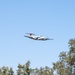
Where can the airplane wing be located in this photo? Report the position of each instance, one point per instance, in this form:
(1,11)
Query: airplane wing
(34,38)
(30,33)
(49,39)
(28,37)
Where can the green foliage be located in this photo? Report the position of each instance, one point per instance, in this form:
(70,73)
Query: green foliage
(66,60)
(64,66)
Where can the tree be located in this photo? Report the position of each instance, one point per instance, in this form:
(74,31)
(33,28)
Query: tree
(64,66)
(66,60)
(11,72)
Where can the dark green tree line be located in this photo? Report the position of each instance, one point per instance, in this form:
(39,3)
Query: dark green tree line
(64,66)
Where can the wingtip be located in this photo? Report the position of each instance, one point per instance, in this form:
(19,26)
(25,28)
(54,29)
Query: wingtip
(24,35)
(51,39)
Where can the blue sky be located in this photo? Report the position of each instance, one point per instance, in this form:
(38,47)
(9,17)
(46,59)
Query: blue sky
(52,18)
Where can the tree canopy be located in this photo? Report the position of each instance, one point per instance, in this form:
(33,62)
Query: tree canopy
(64,66)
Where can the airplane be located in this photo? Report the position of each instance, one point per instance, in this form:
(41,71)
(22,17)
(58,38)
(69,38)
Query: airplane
(35,37)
